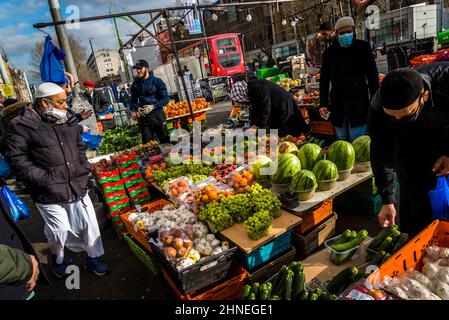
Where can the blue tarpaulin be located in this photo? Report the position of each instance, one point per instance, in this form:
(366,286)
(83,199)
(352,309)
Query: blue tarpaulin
(51,66)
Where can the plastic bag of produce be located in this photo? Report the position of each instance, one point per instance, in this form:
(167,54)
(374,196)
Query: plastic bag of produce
(175,243)
(416,290)
(418,276)
(19,210)
(439,199)
(90,140)
(5,169)
(359,291)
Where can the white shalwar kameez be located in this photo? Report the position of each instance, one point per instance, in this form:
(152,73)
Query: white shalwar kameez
(73,226)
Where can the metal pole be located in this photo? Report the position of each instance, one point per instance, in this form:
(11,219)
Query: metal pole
(64,43)
(273,30)
(93,55)
(400,16)
(122,55)
(178,63)
(206,43)
(3,72)
(25,78)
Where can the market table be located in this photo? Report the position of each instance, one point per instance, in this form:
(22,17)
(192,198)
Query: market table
(238,235)
(322,196)
(188,114)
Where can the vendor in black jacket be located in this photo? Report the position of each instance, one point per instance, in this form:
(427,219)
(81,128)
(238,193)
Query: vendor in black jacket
(349,67)
(409,128)
(272,107)
(149,96)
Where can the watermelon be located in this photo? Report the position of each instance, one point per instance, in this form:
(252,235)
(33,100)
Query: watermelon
(362,149)
(287,147)
(261,161)
(309,155)
(342,154)
(303,180)
(288,165)
(325,170)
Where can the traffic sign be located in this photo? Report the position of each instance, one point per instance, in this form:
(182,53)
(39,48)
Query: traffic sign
(8,90)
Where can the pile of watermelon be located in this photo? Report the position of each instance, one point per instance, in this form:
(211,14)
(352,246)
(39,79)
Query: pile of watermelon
(309,155)
(303,181)
(288,166)
(362,149)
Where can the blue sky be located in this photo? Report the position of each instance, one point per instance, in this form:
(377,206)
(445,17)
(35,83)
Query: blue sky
(17,17)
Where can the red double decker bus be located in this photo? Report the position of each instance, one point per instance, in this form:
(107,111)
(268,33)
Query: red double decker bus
(225,54)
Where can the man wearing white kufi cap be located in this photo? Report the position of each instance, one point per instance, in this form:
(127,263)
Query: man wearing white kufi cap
(45,151)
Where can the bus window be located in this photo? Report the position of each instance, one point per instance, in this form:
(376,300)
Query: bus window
(230,61)
(225,42)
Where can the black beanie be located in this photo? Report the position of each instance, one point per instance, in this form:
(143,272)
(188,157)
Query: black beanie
(326,26)
(400,88)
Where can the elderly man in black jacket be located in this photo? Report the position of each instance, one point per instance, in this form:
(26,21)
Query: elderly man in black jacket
(409,128)
(271,107)
(349,66)
(45,151)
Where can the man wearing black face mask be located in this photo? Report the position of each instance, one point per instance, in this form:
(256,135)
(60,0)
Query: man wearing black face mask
(409,127)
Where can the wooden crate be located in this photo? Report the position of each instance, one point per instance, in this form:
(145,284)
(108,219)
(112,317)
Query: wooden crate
(306,244)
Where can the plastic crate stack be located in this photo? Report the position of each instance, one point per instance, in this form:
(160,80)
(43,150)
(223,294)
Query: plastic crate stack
(132,178)
(116,197)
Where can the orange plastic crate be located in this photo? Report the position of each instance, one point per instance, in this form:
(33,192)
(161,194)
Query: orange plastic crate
(410,256)
(227,289)
(198,117)
(314,217)
(140,235)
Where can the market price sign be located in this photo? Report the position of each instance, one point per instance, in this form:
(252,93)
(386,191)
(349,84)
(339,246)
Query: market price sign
(8,90)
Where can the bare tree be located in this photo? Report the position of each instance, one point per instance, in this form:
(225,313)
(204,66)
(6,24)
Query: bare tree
(79,52)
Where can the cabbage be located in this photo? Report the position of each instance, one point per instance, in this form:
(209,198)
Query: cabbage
(261,161)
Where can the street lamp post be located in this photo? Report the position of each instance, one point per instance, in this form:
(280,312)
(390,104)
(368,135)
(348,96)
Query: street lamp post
(400,17)
(93,55)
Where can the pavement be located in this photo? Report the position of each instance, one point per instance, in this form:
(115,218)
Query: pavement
(130,279)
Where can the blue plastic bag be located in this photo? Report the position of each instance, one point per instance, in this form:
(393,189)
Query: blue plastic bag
(90,140)
(5,169)
(19,210)
(439,199)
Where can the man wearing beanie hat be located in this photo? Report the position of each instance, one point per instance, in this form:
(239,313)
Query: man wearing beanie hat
(317,45)
(349,79)
(409,129)
(45,151)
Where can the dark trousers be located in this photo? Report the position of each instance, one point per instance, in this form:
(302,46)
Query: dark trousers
(154,125)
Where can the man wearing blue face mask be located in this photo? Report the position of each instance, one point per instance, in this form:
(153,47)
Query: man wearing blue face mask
(409,129)
(349,79)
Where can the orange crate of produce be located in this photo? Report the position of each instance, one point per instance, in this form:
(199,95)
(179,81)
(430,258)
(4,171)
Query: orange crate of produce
(198,117)
(322,127)
(140,235)
(227,289)
(314,216)
(410,256)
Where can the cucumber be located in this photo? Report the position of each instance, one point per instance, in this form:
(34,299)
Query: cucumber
(252,296)
(324,296)
(313,296)
(299,284)
(361,236)
(401,241)
(288,285)
(255,289)
(275,298)
(386,244)
(379,258)
(345,237)
(395,235)
(269,289)
(277,284)
(374,245)
(245,292)
(333,297)
(263,292)
(304,295)
(342,280)
(386,257)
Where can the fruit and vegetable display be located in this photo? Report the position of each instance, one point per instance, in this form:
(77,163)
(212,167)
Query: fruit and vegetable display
(309,155)
(223,170)
(210,190)
(342,154)
(298,141)
(362,149)
(201,171)
(223,214)
(173,109)
(258,225)
(288,166)
(120,139)
(288,83)
(346,245)
(261,166)
(431,283)
(303,181)
(150,169)
(288,284)
(385,244)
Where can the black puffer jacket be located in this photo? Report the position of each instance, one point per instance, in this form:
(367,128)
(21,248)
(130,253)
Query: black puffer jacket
(352,72)
(49,157)
(275,108)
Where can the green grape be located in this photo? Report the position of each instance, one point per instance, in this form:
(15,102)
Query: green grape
(258,225)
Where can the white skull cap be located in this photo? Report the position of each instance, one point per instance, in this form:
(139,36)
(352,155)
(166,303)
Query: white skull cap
(48,89)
